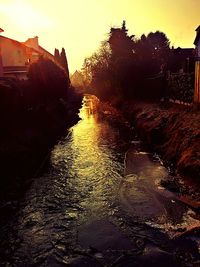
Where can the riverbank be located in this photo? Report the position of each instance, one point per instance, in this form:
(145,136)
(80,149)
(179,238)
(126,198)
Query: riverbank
(34,114)
(172,131)
(25,146)
(143,174)
(103,209)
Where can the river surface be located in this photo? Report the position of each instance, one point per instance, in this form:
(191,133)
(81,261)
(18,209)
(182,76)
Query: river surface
(101,198)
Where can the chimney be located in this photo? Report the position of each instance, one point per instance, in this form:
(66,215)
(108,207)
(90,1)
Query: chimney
(32,42)
(36,41)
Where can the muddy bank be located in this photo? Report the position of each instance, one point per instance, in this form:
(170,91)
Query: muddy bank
(173,131)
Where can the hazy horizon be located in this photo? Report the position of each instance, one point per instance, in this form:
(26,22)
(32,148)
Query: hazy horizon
(80,26)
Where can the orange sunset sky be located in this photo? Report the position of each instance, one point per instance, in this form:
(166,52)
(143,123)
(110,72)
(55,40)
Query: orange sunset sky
(80,25)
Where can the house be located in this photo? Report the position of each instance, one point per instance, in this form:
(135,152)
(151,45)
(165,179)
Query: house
(1,64)
(197,41)
(197,68)
(77,79)
(33,43)
(16,57)
(182,60)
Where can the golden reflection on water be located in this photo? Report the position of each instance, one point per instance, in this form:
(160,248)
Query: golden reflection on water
(94,160)
(86,184)
(90,139)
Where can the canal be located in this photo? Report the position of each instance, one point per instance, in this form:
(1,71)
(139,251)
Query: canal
(100,203)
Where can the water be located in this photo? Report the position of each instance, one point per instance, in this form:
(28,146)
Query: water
(100,197)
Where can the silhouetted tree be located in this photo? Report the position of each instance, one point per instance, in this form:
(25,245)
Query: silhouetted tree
(96,69)
(120,43)
(48,81)
(123,61)
(159,44)
(152,51)
(122,66)
(57,55)
(63,61)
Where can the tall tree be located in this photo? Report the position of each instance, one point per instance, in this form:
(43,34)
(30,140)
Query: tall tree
(122,67)
(64,63)
(48,80)
(122,59)
(120,43)
(96,71)
(153,47)
(57,55)
(159,44)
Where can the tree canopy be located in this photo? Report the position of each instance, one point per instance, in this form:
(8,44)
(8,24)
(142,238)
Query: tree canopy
(123,62)
(48,80)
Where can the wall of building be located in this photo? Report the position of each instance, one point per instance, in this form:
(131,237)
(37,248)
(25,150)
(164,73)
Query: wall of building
(13,54)
(33,43)
(1,64)
(15,57)
(198,49)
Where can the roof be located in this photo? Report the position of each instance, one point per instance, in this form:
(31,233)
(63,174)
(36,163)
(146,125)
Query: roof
(1,30)
(31,38)
(184,52)
(198,28)
(197,36)
(39,48)
(22,44)
(45,51)
(13,41)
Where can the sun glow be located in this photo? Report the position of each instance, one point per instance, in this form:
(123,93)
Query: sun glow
(24,16)
(81,25)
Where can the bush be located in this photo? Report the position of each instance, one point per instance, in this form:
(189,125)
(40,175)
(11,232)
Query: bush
(181,87)
(47,80)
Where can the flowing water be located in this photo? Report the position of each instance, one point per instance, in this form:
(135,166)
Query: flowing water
(100,198)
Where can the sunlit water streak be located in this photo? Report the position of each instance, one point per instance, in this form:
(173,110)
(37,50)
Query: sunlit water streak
(94,183)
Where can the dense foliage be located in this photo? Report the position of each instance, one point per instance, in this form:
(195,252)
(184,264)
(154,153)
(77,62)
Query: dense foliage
(128,67)
(34,113)
(181,87)
(61,59)
(123,63)
(47,81)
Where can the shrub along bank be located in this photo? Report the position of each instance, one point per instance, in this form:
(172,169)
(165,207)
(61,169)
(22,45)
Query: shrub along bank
(34,114)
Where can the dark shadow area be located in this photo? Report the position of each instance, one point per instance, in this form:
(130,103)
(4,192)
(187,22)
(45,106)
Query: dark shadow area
(34,114)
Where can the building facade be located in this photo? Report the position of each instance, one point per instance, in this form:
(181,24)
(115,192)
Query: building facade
(16,57)
(197,68)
